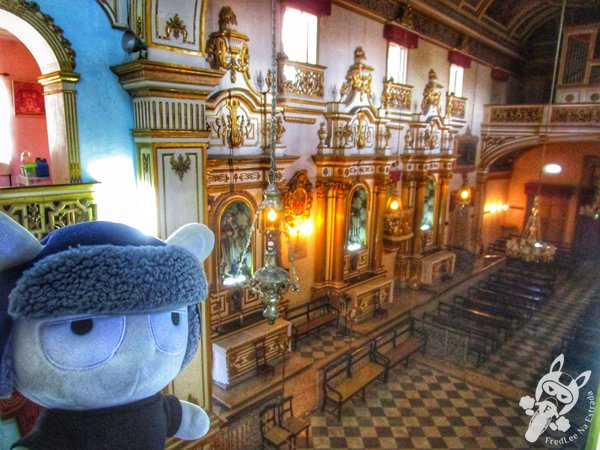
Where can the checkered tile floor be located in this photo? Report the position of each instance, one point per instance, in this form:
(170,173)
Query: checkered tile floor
(422,408)
(528,355)
(328,342)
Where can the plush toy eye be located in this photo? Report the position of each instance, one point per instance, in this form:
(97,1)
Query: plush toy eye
(81,327)
(170,330)
(82,343)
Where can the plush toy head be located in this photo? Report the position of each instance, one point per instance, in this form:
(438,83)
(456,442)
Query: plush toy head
(99,314)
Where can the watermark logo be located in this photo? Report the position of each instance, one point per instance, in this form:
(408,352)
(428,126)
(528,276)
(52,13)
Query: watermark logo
(556,394)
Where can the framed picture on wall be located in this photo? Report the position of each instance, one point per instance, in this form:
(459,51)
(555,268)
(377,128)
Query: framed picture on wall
(29,98)
(467,150)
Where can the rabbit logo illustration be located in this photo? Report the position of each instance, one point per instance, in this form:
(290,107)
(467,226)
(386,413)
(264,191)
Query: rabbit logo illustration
(556,394)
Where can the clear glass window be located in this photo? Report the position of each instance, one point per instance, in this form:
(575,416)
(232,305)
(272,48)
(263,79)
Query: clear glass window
(299,36)
(456,80)
(397,63)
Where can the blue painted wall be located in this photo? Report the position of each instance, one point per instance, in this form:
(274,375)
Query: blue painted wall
(104,108)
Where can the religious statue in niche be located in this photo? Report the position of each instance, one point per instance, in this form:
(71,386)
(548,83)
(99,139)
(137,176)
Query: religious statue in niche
(357,233)
(428,206)
(234,232)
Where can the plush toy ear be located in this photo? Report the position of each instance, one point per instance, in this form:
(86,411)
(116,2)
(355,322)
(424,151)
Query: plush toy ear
(17,245)
(194,237)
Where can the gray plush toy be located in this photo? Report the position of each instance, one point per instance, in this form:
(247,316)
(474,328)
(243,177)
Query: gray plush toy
(96,320)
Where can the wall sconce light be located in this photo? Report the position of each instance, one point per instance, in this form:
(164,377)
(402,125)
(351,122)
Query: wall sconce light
(131,43)
(464,195)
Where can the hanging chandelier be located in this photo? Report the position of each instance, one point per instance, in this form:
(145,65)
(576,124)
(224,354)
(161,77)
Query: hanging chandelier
(530,247)
(271,282)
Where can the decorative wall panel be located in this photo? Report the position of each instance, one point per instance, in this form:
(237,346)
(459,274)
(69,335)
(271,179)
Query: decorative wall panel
(178,25)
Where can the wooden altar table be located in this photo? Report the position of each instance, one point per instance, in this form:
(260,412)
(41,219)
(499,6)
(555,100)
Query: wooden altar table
(233,355)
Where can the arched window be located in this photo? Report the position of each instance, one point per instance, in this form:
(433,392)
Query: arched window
(357,231)
(235,252)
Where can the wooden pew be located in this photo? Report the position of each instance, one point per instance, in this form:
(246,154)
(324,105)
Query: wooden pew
(350,374)
(513,292)
(517,275)
(516,318)
(523,305)
(311,316)
(477,318)
(400,344)
(520,285)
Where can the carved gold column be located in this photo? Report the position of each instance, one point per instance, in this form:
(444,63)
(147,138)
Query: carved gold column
(478,204)
(421,184)
(339,232)
(63,138)
(381,189)
(406,188)
(443,211)
(321,235)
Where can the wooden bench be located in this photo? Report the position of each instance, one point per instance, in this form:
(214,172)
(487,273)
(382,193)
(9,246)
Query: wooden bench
(497,310)
(349,374)
(311,316)
(405,340)
(525,306)
(478,318)
(522,285)
(512,292)
(472,330)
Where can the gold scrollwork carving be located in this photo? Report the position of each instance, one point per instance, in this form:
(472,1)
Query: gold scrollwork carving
(432,95)
(42,217)
(180,165)
(361,130)
(176,26)
(231,127)
(227,48)
(307,81)
(356,80)
(297,199)
(396,95)
(518,114)
(579,114)
(279,130)
(455,106)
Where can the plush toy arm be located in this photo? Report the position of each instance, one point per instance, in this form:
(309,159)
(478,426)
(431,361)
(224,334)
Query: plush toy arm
(194,422)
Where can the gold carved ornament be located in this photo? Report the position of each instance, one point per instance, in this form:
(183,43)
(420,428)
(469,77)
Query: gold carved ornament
(180,165)
(231,127)
(279,130)
(361,132)
(223,56)
(297,199)
(396,96)
(177,27)
(356,80)
(432,93)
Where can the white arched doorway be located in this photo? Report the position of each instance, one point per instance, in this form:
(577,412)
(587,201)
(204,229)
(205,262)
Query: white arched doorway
(56,59)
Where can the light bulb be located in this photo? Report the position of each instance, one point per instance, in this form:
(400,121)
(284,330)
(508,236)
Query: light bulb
(394,205)
(271,215)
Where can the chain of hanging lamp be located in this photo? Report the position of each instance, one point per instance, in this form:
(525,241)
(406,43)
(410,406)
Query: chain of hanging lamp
(530,246)
(271,281)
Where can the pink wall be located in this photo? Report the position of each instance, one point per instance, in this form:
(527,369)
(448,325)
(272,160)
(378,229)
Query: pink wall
(27,132)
